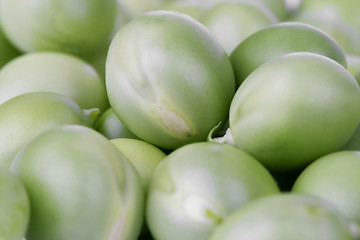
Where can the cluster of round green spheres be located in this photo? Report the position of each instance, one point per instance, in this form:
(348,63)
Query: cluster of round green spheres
(179,120)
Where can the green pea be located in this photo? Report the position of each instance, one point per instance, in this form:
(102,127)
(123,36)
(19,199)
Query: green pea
(73,26)
(279,39)
(27,115)
(231,22)
(334,177)
(53,72)
(144,156)
(168,79)
(284,217)
(196,187)
(295,109)
(80,187)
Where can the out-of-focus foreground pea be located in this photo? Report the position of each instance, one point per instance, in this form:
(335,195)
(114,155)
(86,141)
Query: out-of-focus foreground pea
(284,217)
(197,186)
(73,26)
(144,156)
(279,39)
(109,125)
(25,116)
(232,22)
(334,177)
(14,207)
(53,72)
(295,109)
(168,79)
(80,187)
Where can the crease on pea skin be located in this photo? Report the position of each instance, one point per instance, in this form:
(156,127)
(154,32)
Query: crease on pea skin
(118,228)
(194,195)
(143,82)
(201,209)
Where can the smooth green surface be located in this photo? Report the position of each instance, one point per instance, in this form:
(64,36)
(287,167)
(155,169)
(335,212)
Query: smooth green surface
(344,33)
(354,65)
(231,23)
(277,6)
(198,186)
(144,156)
(295,109)
(334,177)
(111,127)
(347,10)
(137,7)
(194,10)
(168,79)
(73,26)
(80,187)
(14,207)
(285,217)
(54,72)
(279,39)
(25,116)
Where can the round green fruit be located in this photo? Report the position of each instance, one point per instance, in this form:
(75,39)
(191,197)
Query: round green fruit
(232,22)
(25,116)
(80,187)
(73,26)
(196,187)
(334,177)
(168,79)
(295,109)
(53,72)
(284,217)
(279,39)
(144,156)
